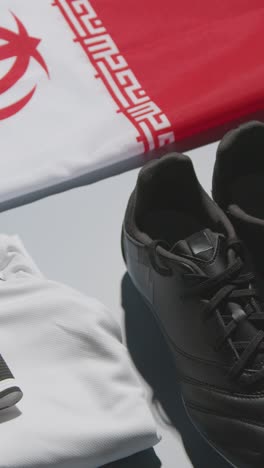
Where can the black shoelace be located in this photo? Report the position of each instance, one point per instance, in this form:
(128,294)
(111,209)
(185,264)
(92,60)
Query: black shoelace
(233,289)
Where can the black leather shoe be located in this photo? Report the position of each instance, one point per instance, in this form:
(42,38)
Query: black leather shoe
(238,185)
(183,256)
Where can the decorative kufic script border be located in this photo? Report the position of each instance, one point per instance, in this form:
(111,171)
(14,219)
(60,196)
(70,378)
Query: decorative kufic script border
(153,127)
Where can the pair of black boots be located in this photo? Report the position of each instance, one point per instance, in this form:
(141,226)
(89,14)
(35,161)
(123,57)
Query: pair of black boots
(199,265)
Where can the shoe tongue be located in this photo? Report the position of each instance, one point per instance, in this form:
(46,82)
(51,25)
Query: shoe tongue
(206,248)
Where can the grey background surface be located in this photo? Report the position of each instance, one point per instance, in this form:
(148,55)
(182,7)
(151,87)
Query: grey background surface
(74,237)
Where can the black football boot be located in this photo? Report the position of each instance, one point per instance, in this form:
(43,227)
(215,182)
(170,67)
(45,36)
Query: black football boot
(183,256)
(238,185)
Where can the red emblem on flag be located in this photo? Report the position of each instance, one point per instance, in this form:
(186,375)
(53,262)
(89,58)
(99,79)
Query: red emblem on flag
(23,48)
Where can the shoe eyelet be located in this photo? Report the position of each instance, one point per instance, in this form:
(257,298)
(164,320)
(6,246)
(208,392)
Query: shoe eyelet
(161,269)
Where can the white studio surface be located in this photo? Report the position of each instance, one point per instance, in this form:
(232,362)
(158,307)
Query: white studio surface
(74,238)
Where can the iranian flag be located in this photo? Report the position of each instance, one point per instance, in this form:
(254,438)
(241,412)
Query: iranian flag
(87,85)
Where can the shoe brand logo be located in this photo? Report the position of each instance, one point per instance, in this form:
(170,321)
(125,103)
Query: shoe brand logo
(21,48)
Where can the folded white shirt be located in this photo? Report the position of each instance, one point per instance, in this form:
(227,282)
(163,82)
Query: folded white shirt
(82,403)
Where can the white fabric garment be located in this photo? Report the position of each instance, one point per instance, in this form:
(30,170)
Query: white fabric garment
(82,403)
